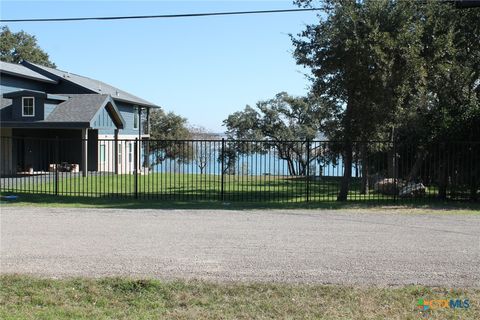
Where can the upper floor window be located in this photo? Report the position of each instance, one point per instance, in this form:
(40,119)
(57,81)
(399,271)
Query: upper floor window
(135,118)
(28,106)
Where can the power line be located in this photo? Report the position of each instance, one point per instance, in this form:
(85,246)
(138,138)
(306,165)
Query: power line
(161,16)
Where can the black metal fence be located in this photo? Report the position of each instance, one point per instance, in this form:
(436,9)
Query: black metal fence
(233,170)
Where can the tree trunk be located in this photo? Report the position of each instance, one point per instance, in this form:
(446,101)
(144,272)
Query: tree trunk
(364,187)
(473,190)
(442,184)
(419,158)
(475,173)
(349,134)
(347,173)
(474,184)
(303,167)
(391,164)
(364,163)
(442,174)
(291,167)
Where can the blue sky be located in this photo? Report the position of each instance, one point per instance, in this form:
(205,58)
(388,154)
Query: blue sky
(201,68)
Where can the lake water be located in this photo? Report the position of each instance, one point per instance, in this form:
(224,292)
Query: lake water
(252,165)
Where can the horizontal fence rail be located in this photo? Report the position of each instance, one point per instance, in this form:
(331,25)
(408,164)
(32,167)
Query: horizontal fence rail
(239,170)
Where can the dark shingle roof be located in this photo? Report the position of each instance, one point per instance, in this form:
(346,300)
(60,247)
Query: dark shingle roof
(22,71)
(93,85)
(79,108)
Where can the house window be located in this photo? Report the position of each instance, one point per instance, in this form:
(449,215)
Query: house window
(135,118)
(28,106)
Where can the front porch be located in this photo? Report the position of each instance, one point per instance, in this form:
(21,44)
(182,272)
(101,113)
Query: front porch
(38,151)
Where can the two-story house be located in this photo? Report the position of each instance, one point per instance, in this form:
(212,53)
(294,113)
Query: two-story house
(95,122)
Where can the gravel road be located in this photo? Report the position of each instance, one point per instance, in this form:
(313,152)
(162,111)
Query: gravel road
(309,246)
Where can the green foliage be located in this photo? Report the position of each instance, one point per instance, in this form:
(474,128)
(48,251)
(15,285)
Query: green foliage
(451,54)
(281,118)
(412,66)
(166,129)
(168,126)
(15,47)
(361,57)
(404,66)
(293,121)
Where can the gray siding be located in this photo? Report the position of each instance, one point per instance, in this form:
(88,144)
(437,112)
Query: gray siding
(17,109)
(106,131)
(103,121)
(126,110)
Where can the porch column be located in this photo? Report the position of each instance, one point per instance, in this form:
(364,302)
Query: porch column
(84,152)
(139,123)
(115,151)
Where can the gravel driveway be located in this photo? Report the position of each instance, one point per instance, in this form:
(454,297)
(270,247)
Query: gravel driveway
(310,246)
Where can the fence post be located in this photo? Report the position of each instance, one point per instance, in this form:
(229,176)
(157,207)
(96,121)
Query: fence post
(57,163)
(135,169)
(222,156)
(308,170)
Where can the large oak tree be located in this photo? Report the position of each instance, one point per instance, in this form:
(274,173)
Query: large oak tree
(18,46)
(404,65)
(285,123)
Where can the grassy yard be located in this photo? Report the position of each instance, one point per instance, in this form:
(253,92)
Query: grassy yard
(182,186)
(177,186)
(195,191)
(417,206)
(25,297)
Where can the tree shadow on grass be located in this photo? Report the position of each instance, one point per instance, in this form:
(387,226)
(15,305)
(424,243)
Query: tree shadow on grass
(213,202)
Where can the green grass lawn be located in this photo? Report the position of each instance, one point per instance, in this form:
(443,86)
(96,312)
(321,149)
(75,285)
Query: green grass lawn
(417,206)
(175,190)
(177,186)
(182,186)
(25,297)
